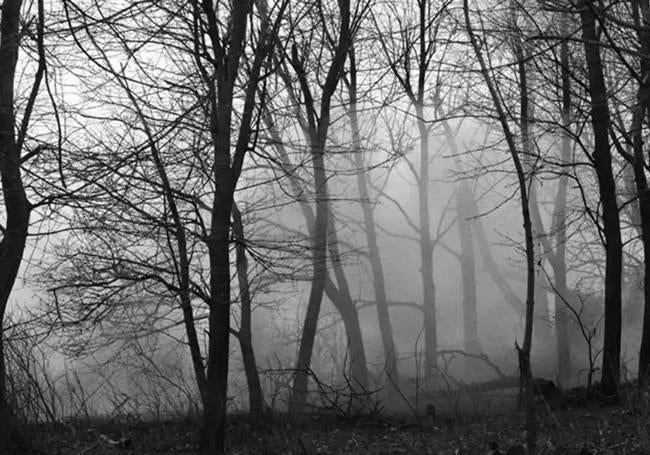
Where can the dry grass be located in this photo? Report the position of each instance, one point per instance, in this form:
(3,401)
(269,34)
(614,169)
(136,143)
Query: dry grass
(621,429)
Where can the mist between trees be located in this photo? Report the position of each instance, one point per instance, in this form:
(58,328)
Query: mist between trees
(269,207)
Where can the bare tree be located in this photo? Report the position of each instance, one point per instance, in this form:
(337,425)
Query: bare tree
(188,180)
(524,351)
(410,51)
(17,207)
(602,159)
(315,121)
(370,229)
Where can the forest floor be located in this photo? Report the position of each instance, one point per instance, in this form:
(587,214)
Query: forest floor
(620,429)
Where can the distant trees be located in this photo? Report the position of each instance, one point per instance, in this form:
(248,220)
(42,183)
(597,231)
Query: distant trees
(411,44)
(392,383)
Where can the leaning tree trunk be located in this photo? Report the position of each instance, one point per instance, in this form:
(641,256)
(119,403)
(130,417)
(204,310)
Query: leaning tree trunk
(344,304)
(318,127)
(319,267)
(245,334)
(379,284)
(524,351)
(378,279)
(339,296)
(607,187)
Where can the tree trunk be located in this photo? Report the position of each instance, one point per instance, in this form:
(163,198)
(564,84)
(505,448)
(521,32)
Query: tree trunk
(523,352)
(426,253)
(383,316)
(611,224)
(319,267)
(379,285)
(214,416)
(245,335)
(466,208)
(542,316)
(17,209)
(345,306)
(464,202)
(558,262)
(641,182)
(339,296)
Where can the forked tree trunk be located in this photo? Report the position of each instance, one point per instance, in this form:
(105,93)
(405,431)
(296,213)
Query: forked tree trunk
(338,294)
(317,128)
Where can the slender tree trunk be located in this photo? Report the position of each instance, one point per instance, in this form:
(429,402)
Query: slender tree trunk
(379,285)
(464,199)
(558,262)
(542,316)
(358,364)
(245,335)
(643,192)
(339,296)
(318,127)
(383,315)
(607,187)
(319,267)
(182,259)
(426,253)
(525,350)
(466,208)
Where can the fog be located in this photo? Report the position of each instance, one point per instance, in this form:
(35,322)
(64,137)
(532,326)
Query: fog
(135,235)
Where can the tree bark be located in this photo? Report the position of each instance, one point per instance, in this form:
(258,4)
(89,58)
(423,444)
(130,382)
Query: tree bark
(611,224)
